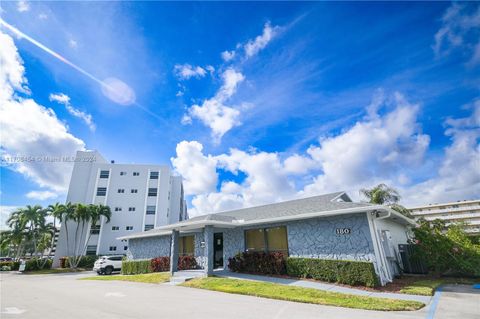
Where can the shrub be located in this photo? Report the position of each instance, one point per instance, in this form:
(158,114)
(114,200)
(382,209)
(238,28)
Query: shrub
(133,267)
(186,262)
(35,264)
(13,265)
(160,264)
(341,271)
(259,263)
(449,252)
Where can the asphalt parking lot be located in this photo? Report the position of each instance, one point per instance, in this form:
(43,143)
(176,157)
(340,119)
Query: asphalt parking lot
(63,296)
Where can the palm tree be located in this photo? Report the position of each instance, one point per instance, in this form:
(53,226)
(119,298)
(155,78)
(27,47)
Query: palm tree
(85,216)
(17,236)
(385,195)
(381,195)
(57,211)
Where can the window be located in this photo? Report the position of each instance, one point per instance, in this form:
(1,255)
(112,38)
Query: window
(124,240)
(117,258)
(95,230)
(148,227)
(104,174)
(112,248)
(134,191)
(277,239)
(151,210)
(152,192)
(91,250)
(115,228)
(129,228)
(131,209)
(121,190)
(101,191)
(136,174)
(186,246)
(267,239)
(123,173)
(125,247)
(153,175)
(118,209)
(254,240)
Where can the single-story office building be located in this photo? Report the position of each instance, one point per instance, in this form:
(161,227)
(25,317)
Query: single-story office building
(329,226)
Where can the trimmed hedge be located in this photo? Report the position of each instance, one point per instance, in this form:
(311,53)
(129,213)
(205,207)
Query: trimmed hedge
(158,264)
(259,263)
(133,267)
(348,272)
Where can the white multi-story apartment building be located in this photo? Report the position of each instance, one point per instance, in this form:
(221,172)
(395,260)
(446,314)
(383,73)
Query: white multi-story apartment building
(467,212)
(141,197)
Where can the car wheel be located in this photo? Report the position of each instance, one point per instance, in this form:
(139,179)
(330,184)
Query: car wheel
(108,270)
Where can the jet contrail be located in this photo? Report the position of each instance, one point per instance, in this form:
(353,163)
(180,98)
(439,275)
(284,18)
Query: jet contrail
(76,67)
(46,49)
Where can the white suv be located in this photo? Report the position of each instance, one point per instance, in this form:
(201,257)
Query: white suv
(108,264)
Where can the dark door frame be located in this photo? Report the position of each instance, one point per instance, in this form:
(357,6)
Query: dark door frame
(218,261)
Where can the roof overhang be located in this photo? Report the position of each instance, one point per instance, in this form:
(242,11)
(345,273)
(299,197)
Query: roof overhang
(187,226)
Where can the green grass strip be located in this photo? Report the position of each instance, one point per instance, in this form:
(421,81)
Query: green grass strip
(152,278)
(300,294)
(427,287)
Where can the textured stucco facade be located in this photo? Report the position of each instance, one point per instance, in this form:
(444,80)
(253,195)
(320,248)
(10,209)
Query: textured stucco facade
(312,238)
(149,247)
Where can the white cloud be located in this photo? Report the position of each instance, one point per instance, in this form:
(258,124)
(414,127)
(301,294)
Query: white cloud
(23,6)
(458,176)
(43,16)
(252,47)
(65,100)
(228,55)
(41,195)
(197,170)
(388,147)
(187,71)
(31,130)
(5,212)
(460,25)
(372,150)
(213,112)
(298,164)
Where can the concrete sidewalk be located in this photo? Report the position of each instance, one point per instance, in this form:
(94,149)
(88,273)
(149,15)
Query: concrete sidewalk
(322,286)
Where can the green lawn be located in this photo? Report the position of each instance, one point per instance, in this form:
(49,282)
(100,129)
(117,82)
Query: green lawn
(427,287)
(53,271)
(152,278)
(422,287)
(300,294)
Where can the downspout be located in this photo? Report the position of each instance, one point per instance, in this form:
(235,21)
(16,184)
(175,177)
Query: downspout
(383,258)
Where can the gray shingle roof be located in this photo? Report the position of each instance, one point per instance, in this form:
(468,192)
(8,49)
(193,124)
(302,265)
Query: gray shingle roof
(315,204)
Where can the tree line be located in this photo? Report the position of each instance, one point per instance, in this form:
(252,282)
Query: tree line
(31,234)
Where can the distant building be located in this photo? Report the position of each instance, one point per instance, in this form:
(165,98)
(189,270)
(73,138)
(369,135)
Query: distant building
(141,197)
(467,212)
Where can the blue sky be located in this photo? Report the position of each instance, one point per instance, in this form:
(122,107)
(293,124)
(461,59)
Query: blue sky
(306,98)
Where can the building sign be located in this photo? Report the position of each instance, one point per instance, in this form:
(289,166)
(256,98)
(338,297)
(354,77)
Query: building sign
(343,231)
